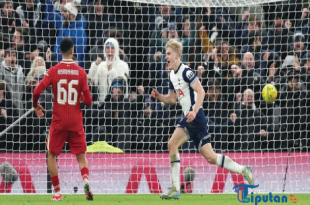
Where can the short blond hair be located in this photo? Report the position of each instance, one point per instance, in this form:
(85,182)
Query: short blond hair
(175,45)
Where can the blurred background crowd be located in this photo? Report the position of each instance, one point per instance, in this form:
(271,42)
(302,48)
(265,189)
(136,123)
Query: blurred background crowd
(121,46)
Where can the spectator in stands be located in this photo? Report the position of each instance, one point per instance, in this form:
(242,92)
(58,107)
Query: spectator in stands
(272,42)
(305,71)
(248,78)
(187,35)
(38,68)
(12,73)
(214,104)
(98,50)
(109,69)
(99,21)
(274,75)
(149,132)
(114,116)
(248,25)
(292,101)
(7,20)
(70,24)
(8,114)
(164,16)
(255,47)
(21,45)
(28,16)
(269,61)
(159,40)
(299,46)
(224,57)
(252,124)
(221,24)
(303,21)
(43,50)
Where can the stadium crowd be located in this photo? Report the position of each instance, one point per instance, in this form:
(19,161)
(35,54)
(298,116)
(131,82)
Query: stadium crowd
(121,45)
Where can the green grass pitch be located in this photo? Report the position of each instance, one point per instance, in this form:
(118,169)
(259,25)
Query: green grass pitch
(151,199)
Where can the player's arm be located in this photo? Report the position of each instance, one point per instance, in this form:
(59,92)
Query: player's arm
(85,95)
(169,99)
(191,78)
(42,86)
(196,85)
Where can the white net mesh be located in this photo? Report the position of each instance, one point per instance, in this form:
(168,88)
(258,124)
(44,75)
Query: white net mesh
(233,46)
(204,3)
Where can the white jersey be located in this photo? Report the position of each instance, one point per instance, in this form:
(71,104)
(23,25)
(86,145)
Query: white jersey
(180,82)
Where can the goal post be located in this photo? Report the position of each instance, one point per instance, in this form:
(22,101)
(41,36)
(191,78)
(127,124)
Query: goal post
(235,47)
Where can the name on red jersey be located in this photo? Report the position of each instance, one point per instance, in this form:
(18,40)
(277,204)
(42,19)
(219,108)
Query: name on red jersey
(68,72)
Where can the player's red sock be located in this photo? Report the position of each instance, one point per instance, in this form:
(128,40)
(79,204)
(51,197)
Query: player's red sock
(85,173)
(55,182)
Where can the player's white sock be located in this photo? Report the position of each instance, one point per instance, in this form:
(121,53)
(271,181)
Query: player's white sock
(175,171)
(229,164)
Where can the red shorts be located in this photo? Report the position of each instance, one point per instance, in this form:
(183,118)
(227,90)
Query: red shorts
(58,138)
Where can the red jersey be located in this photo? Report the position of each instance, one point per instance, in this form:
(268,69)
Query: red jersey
(69,84)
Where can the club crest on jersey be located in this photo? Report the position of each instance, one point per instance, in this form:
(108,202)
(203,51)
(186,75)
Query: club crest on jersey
(179,93)
(190,74)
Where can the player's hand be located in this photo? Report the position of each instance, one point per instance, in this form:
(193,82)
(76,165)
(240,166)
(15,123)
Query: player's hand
(155,94)
(39,110)
(191,115)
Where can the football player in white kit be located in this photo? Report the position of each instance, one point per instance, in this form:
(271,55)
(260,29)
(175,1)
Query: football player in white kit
(185,86)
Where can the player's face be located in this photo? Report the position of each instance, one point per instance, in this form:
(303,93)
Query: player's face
(110,52)
(172,58)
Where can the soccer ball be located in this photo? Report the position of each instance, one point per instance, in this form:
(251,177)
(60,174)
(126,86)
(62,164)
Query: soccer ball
(269,93)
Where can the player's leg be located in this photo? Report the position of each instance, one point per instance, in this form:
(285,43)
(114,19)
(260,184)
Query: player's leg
(178,138)
(208,153)
(55,143)
(77,143)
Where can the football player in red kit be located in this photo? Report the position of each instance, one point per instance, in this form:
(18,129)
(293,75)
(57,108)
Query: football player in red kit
(69,84)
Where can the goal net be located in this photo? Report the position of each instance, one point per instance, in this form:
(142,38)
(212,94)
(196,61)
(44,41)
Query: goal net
(235,49)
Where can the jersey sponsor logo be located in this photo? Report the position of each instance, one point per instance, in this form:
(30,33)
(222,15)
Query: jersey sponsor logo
(190,74)
(180,93)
